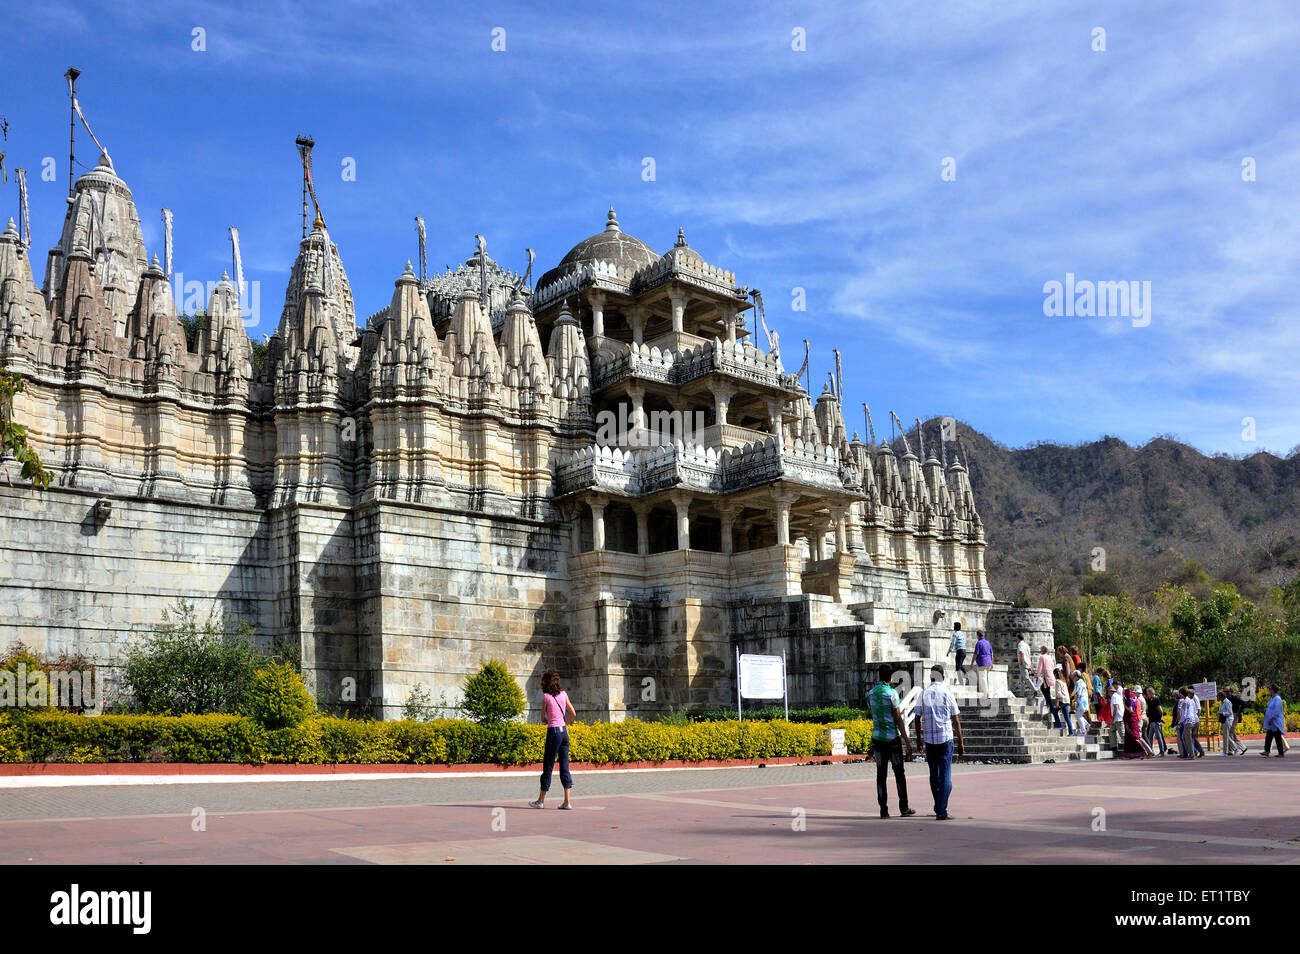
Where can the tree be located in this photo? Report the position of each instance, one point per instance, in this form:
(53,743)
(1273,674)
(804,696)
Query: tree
(188,666)
(13,436)
(492,695)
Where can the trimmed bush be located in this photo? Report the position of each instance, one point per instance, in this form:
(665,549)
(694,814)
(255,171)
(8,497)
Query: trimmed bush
(278,699)
(492,695)
(63,737)
(823,715)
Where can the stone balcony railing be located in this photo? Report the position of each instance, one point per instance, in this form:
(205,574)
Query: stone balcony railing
(637,472)
(677,367)
(730,436)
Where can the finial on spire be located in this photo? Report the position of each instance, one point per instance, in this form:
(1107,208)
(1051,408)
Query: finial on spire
(225,275)
(10,227)
(319,223)
(611,221)
(681,238)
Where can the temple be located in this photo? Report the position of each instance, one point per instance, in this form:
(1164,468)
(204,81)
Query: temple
(608,473)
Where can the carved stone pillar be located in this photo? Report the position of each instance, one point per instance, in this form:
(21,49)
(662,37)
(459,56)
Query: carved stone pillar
(596,299)
(643,529)
(728,515)
(683,504)
(782,499)
(636,318)
(729,320)
(598,522)
(678,299)
(722,395)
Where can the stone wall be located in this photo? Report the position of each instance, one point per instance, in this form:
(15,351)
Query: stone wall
(72,582)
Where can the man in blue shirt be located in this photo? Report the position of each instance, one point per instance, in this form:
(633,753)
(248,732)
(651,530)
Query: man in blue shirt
(1274,723)
(957,647)
(889,742)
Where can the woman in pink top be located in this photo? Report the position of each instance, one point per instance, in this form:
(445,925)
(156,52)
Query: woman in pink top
(557,712)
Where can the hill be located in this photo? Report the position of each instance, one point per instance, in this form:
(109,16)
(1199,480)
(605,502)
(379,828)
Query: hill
(1161,511)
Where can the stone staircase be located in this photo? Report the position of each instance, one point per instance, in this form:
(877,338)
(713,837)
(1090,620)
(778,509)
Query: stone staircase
(1009,726)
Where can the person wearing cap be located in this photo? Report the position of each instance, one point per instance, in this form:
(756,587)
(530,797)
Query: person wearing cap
(940,728)
(1116,715)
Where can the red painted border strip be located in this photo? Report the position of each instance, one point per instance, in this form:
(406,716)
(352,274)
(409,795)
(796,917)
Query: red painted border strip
(355,768)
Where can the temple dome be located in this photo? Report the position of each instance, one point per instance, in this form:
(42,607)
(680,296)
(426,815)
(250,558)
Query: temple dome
(612,245)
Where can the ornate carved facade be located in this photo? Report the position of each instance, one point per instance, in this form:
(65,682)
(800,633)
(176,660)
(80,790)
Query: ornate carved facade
(439,485)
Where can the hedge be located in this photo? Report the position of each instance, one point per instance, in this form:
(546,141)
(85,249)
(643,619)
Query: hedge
(63,737)
(825,715)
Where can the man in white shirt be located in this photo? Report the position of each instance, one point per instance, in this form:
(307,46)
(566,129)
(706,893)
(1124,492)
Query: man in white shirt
(1116,715)
(940,728)
(1024,657)
(1226,719)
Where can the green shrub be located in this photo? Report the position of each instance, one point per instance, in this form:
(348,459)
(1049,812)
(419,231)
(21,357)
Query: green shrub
(492,695)
(190,667)
(278,698)
(823,715)
(64,737)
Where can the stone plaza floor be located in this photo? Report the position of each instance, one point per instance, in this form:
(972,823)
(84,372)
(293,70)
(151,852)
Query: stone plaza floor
(1242,810)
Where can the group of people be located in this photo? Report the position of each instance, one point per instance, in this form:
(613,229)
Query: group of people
(1133,717)
(940,731)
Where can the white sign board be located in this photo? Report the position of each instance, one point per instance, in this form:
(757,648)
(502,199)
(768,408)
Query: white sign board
(1205,691)
(762,677)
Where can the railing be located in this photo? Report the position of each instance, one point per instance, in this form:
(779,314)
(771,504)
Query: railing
(907,709)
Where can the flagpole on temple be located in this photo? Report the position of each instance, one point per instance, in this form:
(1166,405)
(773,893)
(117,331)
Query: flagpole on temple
(71,76)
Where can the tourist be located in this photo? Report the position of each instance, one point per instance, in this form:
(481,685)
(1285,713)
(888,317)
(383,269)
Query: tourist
(1188,717)
(1134,747)
(1238,710)
(1155,722)
(940,729)
(1074,654)
(1047,681)
(1061,691)
(1064,661)
(1101,681)
(1081,721)
(557,713)
(1140,700)
(1116,715)
(1275,724)
(957,647)
(1225,723)
(983,663)
(889,742)
(1024,657)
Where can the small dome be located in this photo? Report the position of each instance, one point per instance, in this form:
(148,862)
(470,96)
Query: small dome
(612,245)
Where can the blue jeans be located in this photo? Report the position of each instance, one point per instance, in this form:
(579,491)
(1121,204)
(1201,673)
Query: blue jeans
(1156,733)
(939,758)
(1064,711)
(557,743)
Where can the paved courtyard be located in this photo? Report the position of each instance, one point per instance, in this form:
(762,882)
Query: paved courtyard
(1237,811)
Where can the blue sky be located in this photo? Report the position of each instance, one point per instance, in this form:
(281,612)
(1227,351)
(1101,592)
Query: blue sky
(817,169)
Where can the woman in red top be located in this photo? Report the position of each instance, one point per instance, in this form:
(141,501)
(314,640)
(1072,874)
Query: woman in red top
(557,713)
